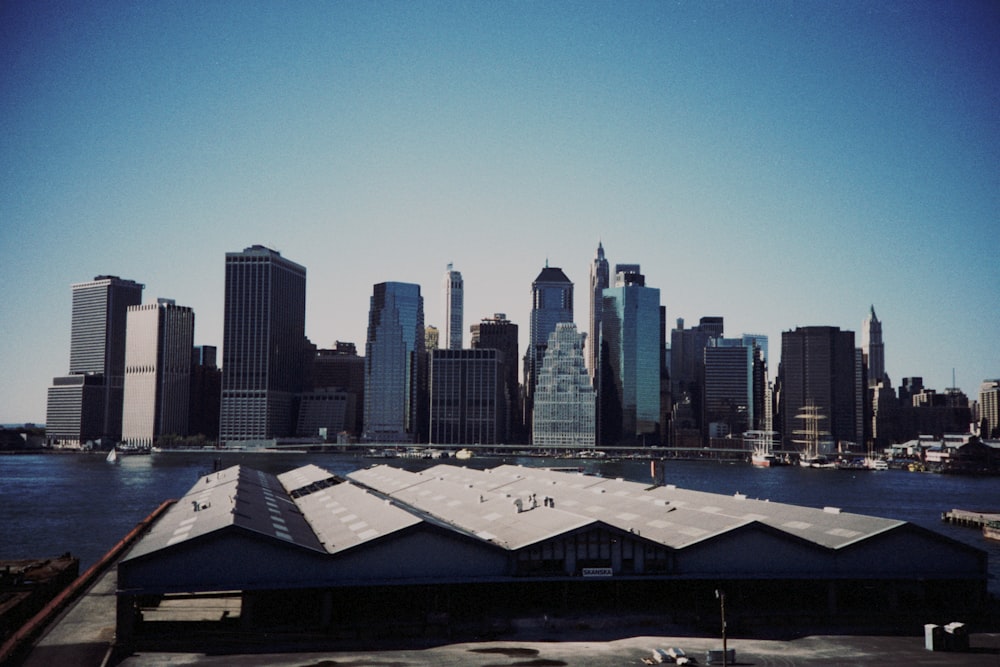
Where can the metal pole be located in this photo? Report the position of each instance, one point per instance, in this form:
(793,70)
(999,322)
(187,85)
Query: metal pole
(722,607)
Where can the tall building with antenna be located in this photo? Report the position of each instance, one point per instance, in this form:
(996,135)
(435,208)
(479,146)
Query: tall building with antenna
(454,288)
(599,281)
(873,348)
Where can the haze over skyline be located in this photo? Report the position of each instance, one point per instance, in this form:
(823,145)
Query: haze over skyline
(778,164)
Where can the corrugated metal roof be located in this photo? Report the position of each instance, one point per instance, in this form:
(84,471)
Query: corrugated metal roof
(510,506)
(344,516)
(237,497)
(670,516)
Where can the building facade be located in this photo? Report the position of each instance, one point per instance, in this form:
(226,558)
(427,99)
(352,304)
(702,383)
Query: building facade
(551,303)
(687,359)
(454,297)
(599,281)
(206,392)
(989,408)
(97,349)
(499,333)
(873,348)
(157,372)
(565,400)
(728,403)
(818,370)
(630,336)
(263,345)
(467,404)
(343,369)
(395,364)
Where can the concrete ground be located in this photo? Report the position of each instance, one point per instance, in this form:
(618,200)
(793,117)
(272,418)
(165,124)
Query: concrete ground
(814,650)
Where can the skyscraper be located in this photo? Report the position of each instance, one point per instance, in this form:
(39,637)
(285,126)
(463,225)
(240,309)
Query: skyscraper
(818,369)
(873,348)
(551,303)
(395,364)
(599,281)
(158,353)
(263,345)
(687,363)
(728,403)
(499,333)
(453,299)
(630,336)
(87,404)
(564,397)
(467,403)
(989,408)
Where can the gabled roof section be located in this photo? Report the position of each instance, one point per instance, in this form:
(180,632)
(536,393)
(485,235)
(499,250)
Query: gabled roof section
(671,516)
(465,500)
(307,479)
(234,498)
(345,516)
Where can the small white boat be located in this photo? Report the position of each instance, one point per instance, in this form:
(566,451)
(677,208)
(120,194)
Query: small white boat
(112,456)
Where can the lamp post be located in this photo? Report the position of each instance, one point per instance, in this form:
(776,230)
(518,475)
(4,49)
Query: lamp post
(721,595)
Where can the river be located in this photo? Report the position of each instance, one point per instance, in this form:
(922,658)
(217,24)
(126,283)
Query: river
(53,503)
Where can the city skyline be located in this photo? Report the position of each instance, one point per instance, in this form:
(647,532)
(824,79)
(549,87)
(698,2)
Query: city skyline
(777,166)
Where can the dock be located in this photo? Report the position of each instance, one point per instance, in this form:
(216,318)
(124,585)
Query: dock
(970,518)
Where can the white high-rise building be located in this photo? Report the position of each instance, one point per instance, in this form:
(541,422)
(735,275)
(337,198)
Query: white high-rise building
(565,400)
(454,288)
(158,345)
(989,407)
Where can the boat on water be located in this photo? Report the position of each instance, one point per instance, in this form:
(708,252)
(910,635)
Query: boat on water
(813,440)
(876,464)
(112,456)
(761,444)
(991,530)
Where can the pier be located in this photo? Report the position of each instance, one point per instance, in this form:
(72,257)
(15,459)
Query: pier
(970,518)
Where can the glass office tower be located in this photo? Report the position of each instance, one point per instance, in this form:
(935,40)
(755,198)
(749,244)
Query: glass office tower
(630,349)
(395,364)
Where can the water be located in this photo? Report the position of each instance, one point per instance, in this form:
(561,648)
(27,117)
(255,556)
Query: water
(50,504)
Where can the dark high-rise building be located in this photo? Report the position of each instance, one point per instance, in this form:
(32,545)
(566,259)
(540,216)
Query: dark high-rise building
(818,370)
(206,391)
(728,403)
(342,369)
(467,403)
(395,365)
(263,339)
(599,281)
(551,303)
(873,348)
(909,388)
(687,361)
(499,333)
(97,349)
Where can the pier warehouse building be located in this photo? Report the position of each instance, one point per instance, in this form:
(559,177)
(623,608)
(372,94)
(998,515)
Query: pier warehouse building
(454,550)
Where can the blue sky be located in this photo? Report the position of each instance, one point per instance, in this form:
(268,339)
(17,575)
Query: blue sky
(780,164)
